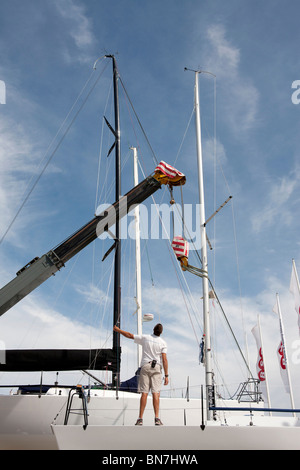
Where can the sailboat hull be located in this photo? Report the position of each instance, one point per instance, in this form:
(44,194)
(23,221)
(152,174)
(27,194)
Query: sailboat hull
(33,422)
(26,419)
(172,438)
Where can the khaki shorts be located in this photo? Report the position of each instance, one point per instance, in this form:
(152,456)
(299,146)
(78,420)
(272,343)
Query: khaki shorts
(150,379)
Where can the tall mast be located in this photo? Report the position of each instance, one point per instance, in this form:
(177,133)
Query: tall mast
(138,259)
(117,273)
(206,314)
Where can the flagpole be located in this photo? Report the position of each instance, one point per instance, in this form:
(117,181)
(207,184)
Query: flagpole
(296,274)
(295,290)
(285,352)
(264,360)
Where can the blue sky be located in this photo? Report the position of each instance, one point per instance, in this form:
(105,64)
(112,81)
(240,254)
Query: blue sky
(47,54)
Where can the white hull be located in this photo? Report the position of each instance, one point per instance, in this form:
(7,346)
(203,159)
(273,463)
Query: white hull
(30,422)
(114,428)
(25,421)
(172,438)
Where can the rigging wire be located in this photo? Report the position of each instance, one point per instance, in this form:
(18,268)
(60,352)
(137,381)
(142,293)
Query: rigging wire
(215,294)
(156,161)
(97,198)
(182,215)
(184,135)
(219,303)
(185,230)
(172,255)
(57,145)
(169,245)
(245,357)
(196,251)
(239,282)
(139,122)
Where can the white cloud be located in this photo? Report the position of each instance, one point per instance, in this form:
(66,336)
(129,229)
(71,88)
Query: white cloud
(241,97)
(40,326)
(17,161)
(226,56)
(21,163)
(280,205)
(79,27)
(33,325)
(212,147)
(92,293)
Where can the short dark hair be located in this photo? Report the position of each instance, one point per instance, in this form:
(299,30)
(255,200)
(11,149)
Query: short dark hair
(158,329)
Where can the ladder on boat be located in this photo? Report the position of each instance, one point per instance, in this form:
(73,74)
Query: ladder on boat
(77,391)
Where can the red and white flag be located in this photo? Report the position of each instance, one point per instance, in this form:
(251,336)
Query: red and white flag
(294,289)
(168,170)
(180,247)
(260,366)
(282,366)
(281,355)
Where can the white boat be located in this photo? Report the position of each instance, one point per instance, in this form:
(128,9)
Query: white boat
(26,419)
(193,425)
(102,419)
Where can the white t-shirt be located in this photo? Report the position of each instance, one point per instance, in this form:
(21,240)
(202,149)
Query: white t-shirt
(153,346)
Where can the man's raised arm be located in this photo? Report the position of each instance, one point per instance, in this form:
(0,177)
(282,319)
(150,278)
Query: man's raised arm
(124,333)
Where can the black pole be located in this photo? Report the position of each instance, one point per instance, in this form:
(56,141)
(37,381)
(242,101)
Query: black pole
(117,273)
(202,425)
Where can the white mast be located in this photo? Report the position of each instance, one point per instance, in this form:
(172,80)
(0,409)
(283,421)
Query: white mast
(138,259)
(296,274)
(295,290)
(285,351)
(206,315)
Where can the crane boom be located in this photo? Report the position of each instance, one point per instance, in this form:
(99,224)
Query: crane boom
(41,268)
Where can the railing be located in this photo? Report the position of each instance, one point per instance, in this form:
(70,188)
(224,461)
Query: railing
(78,390)
(251,408)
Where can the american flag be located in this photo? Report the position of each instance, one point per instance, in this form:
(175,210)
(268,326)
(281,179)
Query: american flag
(168,170)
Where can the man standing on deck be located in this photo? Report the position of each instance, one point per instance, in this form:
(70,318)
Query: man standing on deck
(154,357)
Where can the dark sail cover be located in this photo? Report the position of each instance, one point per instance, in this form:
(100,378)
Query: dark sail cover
(31,360)
(131,385)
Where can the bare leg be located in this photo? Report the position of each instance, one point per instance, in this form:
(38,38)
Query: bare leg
(143,403)
(155,398)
